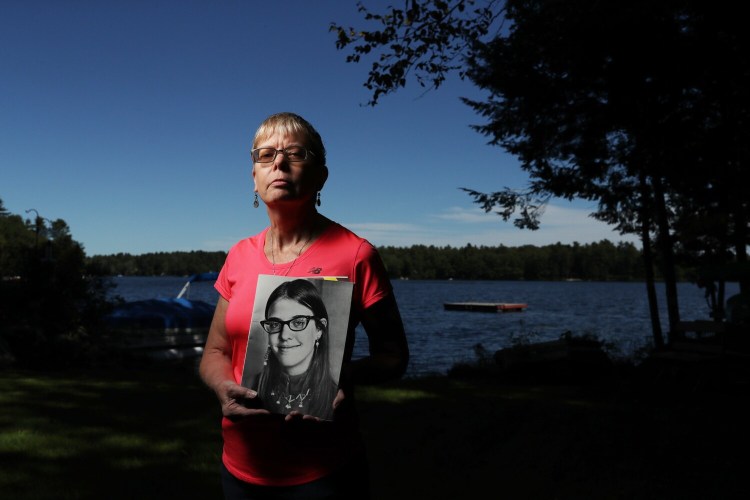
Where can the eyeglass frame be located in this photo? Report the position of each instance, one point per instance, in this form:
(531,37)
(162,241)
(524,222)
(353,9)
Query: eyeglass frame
(287,323)
(308,153)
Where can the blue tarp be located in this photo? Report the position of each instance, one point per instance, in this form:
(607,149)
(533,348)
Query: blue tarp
(203,277)
(162,313)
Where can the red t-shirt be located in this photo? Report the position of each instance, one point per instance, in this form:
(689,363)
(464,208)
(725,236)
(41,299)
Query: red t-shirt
(269,451)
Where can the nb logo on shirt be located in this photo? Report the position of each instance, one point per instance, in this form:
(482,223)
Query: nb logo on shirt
(315,270)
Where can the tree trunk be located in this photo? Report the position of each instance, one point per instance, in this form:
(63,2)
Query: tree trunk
(740,247)
(653,302)
(648,262)
(667,253)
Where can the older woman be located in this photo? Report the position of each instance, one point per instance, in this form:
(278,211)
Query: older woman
(297,456)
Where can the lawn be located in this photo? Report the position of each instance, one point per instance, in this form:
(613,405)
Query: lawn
(154,433)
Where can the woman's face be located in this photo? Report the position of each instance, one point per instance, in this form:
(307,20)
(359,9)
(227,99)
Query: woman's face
(282,180)
(294,350)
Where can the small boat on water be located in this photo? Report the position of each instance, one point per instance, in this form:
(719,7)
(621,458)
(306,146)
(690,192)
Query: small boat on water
(164,328)
(484,306)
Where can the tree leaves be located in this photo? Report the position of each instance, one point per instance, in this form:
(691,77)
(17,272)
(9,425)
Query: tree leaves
(426,40)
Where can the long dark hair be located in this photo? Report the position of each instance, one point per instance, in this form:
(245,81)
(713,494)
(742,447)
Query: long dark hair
(317,378)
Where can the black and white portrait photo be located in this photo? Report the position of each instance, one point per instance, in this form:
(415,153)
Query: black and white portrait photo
(296,343)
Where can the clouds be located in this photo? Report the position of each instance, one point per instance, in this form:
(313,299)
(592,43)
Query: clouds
(457,226)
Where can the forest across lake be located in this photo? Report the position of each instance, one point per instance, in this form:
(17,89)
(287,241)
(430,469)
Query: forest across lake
(601,261)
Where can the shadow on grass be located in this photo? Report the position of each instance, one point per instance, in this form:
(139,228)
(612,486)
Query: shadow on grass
(479,438)
(132,434)
(155,434)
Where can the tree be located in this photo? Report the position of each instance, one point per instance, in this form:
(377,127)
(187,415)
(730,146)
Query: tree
(591,114)
(426,40)
(50,310)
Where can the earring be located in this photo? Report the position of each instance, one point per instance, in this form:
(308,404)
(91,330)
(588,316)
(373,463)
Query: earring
(255,201)
(265,358)
(317,343)
(317,202)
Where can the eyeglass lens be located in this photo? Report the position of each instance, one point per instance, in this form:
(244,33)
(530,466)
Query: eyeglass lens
(296,324)
(267,155)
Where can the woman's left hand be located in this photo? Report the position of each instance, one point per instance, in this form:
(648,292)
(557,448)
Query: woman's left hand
(339,399)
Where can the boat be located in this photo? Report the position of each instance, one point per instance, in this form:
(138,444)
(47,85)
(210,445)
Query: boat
(484,306)
(164,328)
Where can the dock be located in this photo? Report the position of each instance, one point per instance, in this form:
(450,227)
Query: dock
(484,306)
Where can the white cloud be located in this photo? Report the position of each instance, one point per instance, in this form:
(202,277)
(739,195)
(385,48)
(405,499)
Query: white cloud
(458,226)
(469,216)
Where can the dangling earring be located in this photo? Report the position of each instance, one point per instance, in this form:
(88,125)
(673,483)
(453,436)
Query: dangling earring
(255,201)
(265,358)
(317,343)
(317,202)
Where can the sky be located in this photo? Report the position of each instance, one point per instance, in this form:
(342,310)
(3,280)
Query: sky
(133,122)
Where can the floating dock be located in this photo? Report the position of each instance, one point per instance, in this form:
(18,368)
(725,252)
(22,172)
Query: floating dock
(484,306)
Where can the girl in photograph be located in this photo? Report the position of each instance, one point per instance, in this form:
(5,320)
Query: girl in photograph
(296,373)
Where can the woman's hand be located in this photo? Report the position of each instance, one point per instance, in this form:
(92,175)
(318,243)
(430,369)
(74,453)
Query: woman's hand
(216,371)
(340,397)
(237,401)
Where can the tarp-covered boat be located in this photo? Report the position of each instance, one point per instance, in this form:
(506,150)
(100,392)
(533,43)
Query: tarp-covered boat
(169,328)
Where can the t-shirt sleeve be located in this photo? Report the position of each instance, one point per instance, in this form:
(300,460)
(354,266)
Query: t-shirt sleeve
(371,279)
(223,284)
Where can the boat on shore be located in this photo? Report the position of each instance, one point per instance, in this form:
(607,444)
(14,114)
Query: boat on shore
(172,328)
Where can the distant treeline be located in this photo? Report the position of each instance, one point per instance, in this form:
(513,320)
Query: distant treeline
(157,264)
(602,261)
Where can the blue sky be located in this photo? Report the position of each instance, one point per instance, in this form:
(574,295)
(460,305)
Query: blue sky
(132,120)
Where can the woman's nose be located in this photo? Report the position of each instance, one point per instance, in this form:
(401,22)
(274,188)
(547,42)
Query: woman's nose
(285,333)
(280,161)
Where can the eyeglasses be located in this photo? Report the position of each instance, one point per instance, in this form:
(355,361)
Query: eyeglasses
(296,324)
(292,153)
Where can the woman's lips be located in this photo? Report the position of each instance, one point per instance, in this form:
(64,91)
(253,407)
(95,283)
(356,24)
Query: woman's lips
(285,347)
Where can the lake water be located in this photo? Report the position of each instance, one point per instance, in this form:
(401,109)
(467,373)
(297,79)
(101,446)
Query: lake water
(616,313)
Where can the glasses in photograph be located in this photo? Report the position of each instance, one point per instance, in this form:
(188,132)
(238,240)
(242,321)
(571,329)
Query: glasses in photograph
(292,153)
(296,324)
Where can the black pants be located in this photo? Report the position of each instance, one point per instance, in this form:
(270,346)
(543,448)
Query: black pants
(351,482)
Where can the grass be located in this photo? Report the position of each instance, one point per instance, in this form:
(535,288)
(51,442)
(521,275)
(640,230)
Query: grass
(107,435)
(154,433)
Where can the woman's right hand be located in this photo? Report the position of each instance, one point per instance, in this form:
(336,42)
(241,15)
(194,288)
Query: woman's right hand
(216,371)
(238,401)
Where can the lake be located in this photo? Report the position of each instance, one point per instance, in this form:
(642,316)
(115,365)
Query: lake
(617,313)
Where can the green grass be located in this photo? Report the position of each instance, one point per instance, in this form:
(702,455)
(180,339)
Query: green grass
(114,435)
(155,434)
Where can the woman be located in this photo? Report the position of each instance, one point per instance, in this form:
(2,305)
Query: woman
(296,373)
(296,455)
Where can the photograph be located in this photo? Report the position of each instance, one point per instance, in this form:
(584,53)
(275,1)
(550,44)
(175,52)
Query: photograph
(296,343)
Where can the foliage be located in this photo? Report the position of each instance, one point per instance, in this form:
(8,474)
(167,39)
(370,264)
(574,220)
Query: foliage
(592,115)
(602,261)
(50,308)
(427,40)
(156,264)
(654,131)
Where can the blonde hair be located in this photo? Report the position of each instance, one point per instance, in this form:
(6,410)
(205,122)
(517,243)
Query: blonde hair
(288,124)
